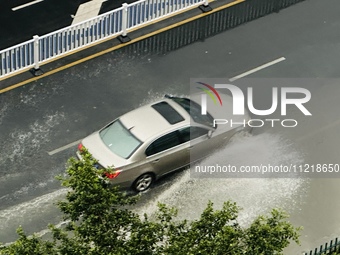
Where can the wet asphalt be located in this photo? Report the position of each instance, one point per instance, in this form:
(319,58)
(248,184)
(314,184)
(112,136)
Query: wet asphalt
(60,109)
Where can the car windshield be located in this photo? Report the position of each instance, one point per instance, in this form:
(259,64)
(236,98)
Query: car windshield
(119,139)
(194,110)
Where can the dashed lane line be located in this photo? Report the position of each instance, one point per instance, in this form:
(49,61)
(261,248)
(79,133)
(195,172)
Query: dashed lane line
(26,5)
(254,70)
(65,147)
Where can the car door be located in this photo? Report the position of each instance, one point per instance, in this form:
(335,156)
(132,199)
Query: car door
(200,143)
(168,153)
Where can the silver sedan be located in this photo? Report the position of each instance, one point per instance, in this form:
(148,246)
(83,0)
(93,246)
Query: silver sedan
(153,140)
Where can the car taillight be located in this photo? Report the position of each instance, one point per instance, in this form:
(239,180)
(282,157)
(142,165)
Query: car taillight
(113,175)
(80,147)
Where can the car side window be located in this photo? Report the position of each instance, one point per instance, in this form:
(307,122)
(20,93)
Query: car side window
(190,133)
(163,143)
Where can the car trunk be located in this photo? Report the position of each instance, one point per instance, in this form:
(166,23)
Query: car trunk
(101,152)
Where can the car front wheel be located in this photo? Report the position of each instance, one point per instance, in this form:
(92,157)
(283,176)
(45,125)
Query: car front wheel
(143,182)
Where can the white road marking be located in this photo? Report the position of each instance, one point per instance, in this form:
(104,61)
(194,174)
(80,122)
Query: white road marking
(25,5)
(87,11)
(63,148)
(257,69)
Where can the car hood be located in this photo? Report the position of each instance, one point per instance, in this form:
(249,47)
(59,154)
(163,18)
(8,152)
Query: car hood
(94,144)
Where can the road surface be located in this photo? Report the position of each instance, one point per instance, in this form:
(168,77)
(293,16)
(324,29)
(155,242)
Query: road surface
(53,113)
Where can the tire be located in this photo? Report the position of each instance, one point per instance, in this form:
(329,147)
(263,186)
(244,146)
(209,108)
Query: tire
(143,182)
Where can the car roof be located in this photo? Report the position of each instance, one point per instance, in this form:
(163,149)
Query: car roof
(155,119)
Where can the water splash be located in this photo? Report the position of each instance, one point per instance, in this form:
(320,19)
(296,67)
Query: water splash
(3,111)
(154,96)
(255,195)
(34,186)
(28,214)
(30,138)
(191,195)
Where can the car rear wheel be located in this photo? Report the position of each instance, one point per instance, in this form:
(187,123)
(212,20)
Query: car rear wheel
(143,182)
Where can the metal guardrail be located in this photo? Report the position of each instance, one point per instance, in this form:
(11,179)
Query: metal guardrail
(41,49)
(17,57)
(327,249)
(120,21)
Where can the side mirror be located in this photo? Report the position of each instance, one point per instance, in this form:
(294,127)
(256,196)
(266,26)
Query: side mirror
(210,132)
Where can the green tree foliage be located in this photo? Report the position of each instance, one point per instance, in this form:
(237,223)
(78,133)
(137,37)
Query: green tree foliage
(100,222)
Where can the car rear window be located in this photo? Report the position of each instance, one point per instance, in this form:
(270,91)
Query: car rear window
(119,139)
(168,112)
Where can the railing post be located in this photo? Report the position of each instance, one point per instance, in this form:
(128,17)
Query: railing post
(123,38)
(36,71)
(330,247)
(277,6)
(36,51)
(205,6)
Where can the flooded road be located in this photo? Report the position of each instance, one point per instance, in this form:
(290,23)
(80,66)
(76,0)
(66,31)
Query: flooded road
(61,109)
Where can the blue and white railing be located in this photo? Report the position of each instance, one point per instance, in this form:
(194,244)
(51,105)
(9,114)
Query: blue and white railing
(41,49)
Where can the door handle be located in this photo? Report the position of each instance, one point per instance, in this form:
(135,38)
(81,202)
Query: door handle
(155,161)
